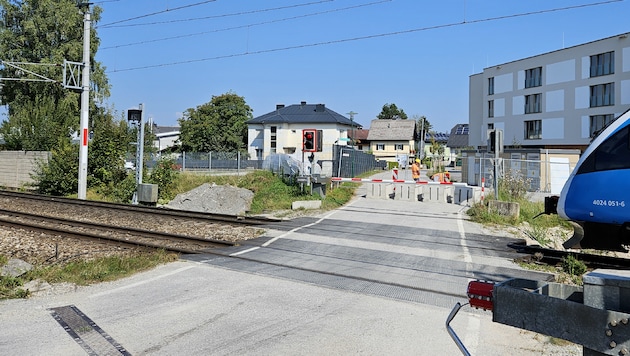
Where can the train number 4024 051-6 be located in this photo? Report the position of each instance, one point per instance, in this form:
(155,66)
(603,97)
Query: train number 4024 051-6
(614,203)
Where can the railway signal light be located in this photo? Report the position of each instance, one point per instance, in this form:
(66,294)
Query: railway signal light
(309,140)
(134,115)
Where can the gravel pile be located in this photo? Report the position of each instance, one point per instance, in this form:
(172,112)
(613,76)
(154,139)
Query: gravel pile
(215,199)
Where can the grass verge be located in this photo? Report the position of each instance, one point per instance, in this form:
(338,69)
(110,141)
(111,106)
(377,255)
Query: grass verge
(83,272)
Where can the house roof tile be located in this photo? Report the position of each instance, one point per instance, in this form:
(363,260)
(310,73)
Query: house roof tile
(303,113)
(458,137)
(382,129)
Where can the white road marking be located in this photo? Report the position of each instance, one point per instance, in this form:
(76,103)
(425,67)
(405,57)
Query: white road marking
(471,340)
(290,232)
(116,290)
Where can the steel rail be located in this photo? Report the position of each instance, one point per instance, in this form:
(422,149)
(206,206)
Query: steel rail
(225,218)
(551,256)
(146,234)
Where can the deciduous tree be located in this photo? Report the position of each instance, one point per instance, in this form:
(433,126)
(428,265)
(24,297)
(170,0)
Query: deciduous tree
(217,126)
(392,112)
(45,33)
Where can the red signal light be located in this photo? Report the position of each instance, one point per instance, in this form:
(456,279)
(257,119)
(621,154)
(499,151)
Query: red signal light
(308,143)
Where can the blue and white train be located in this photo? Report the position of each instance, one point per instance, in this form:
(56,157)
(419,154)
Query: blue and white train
(597,194)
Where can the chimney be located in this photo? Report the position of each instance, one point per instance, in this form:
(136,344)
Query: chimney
(303,103)
(319,108)
(279,106)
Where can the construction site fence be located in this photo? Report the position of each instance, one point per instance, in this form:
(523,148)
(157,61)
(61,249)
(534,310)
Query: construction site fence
(546,176)
(349,162)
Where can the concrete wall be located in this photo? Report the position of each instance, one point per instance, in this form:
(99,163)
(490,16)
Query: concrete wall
(16,167)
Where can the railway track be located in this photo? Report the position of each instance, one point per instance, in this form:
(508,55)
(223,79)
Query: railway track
(554,257)
(109,233)
(158,212)
(121,225)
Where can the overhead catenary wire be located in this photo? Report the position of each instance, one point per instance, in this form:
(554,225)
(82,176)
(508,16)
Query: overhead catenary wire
(110,25)
(158,13)
(245,26)
(366,37)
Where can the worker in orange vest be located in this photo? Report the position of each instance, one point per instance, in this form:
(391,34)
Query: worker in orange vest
(415,170)
(442,177)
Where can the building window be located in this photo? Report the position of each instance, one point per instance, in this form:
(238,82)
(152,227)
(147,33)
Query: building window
(491,86)
(532,103)
(490,108)
(380,147)
(533,130)
(398,147)
(533,77)
(491,126)
(599,122)
(273,140)
(603,64)
(602,95)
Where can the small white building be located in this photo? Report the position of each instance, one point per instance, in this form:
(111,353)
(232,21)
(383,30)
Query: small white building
(165,137)
(281,131)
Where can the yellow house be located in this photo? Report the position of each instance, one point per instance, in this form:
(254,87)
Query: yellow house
(393,140)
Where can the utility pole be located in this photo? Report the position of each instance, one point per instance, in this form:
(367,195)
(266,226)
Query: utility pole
(422,138)
(352,113)
(85,102)
(137,116)
(71,79)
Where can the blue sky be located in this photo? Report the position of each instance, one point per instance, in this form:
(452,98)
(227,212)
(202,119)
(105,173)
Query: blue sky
(352,55)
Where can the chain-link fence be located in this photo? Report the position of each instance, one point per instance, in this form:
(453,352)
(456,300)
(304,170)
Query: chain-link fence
(546,176)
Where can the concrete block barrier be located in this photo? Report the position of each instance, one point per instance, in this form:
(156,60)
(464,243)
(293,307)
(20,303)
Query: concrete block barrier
(306,204)
(407,191)
(465,194)
(379,190)
(441,193)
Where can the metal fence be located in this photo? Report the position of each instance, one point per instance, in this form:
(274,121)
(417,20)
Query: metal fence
(539,175)
(210,162)
(349,162)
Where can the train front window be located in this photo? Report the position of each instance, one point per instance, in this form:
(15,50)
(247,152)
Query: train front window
(614,153)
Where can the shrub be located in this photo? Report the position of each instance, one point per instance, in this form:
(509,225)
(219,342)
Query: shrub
(59,175)
(513,186)
(573,266)
(164,175)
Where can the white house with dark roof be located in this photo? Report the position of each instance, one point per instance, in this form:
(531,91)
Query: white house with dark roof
(281,130)
(166,137)
(392,139)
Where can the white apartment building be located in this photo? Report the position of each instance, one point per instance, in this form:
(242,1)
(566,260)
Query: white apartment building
(559,99)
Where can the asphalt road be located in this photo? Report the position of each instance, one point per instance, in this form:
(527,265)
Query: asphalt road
(377,277)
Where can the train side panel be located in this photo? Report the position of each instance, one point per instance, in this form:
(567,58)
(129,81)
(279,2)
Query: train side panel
(601,197)
(598,189)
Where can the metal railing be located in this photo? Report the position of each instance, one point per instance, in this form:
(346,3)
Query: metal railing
(210,162)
